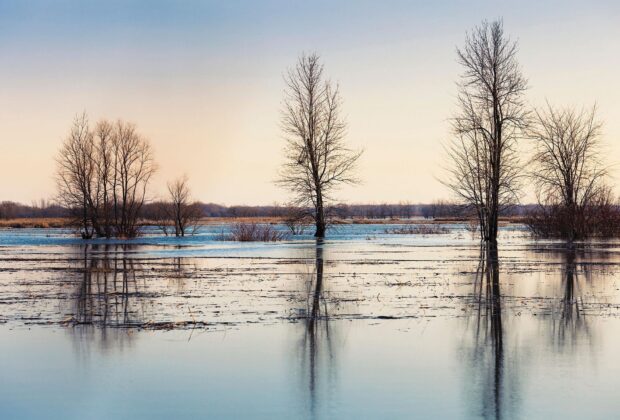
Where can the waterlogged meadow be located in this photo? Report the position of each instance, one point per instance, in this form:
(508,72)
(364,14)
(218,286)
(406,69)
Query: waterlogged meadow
(376,321)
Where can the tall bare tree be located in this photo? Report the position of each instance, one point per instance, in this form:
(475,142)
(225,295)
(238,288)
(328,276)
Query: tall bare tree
(490,120)
(567,165)
(317,159)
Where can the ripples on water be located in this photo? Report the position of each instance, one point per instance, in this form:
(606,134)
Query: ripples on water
(365,324)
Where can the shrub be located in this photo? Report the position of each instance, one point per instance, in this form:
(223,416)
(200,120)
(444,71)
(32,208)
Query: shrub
(419,230)
(253,232)
(600,220)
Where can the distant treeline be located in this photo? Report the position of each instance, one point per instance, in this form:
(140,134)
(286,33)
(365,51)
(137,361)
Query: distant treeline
(13,210)
(368,211)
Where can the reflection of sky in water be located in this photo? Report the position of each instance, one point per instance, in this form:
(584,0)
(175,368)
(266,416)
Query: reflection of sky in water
(399,369)
(381,327)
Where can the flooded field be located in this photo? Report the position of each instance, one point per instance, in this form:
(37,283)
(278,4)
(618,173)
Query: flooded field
(365,324)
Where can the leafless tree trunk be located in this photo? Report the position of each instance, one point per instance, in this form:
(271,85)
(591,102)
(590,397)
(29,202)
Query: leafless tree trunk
(567,165)
(317,159)
(492,116)
(183,212)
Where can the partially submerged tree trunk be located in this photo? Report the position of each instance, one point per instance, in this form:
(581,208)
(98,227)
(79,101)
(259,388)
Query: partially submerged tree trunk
(317,159)
(321,224)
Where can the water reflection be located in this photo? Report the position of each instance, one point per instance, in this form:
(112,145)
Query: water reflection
(569,323)
(318,361)
(488,341)
(499,317)
(177,273)
(522,309)
(108,294)
(104,299)
(117,291)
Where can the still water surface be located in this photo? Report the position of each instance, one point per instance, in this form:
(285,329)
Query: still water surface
(364,325)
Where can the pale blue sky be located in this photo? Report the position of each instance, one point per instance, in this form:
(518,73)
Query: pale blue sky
(203,80)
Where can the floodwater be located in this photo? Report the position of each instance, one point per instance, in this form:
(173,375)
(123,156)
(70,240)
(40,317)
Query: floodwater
(363,325)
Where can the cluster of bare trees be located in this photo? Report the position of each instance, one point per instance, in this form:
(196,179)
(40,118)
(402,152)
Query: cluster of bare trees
(570,176)
(317,158)
(486,172)
(103,173)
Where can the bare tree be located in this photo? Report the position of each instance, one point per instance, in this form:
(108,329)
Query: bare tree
(491,119)
(184,213)
(103,161)
(133,168)
(317,159)
(76,175)
(567,165)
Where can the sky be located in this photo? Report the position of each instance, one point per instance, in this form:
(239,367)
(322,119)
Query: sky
(203,81)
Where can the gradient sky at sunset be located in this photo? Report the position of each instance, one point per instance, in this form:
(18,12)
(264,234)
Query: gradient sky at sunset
(203,81)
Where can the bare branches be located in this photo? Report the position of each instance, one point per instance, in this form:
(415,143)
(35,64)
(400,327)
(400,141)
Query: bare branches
(184,213)
(76,174)
(103,175)
(567,168)
(567,156)
(317,159)
(134,166)
(491,119)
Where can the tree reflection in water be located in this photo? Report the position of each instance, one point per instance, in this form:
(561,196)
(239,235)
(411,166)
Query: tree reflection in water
(108,290)
(317,346)
(495,376)
(569,321)
(177,272)
(489,358)
(116,292)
